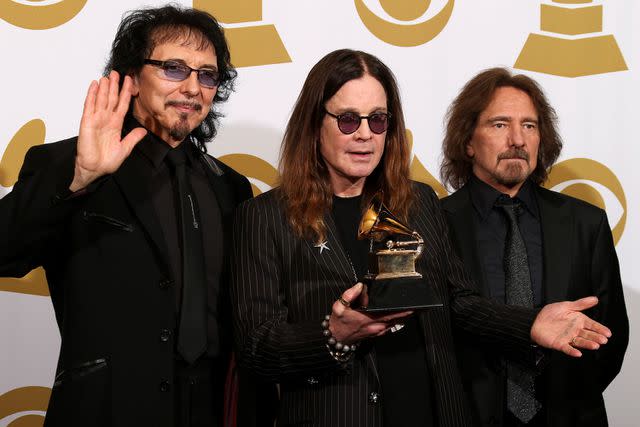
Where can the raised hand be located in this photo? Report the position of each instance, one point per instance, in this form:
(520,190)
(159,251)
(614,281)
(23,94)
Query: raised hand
(349,326)
(101,149)
(561,326)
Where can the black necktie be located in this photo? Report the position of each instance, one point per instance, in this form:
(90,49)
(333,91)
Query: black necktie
(192,331)
(521,399)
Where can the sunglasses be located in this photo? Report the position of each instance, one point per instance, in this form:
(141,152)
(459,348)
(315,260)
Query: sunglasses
(177,72)
(348,123)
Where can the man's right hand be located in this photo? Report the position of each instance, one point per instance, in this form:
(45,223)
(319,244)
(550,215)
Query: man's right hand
(350,326)
(101,150)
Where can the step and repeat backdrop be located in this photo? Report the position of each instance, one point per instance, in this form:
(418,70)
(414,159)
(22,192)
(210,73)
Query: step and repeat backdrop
(584,53)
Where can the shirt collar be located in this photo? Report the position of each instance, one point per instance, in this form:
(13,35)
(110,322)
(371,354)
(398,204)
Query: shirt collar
(484,196)
(154,148)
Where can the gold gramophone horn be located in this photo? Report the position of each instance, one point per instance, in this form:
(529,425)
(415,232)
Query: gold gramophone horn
(378,222)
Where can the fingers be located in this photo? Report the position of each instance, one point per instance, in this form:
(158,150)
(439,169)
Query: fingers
(102,100)
(90,100)
(125,97)
(133,138)
(584,303)
(587,344)
(598,328)
(569,350)
(389,317)
(353,292)
(346,299)
(112,100)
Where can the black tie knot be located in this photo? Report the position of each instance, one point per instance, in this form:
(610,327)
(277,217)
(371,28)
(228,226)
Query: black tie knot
(176,157)
(512,206)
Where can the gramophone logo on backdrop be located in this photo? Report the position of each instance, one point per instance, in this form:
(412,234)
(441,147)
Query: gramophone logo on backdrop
(39,14)
(404,34)
(251,43)
(574,44)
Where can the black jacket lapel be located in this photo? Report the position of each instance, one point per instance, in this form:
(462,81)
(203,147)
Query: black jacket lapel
(556,235)
(134,180)
(460,214)
(220,186)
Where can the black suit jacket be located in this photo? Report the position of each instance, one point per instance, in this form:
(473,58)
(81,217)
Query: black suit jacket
(110,281)
(283,286)
(579,260)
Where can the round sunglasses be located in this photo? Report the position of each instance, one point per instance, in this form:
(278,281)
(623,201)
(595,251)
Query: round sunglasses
(177,72)
(348,123)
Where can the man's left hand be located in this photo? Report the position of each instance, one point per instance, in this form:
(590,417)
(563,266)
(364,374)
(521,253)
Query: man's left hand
(561,326)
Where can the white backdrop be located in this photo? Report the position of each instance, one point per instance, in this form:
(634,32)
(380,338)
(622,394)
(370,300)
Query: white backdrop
(52,49)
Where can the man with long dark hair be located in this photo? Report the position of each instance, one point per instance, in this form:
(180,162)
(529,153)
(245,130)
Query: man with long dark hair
(297,262)
(128,220)
(526,245)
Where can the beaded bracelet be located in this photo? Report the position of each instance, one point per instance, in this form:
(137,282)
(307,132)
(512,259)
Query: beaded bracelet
(340,352)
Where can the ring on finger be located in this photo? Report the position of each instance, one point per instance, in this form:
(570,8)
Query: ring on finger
(573,341)
(344,301)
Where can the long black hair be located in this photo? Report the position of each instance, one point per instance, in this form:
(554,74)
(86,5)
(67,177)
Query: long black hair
(142,30)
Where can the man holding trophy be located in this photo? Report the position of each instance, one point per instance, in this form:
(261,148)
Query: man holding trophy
(344,357)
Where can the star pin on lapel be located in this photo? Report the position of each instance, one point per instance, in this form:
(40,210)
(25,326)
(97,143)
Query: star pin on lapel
(322,246)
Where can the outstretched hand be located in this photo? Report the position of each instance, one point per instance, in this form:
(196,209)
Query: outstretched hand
(349,326)
(101,148)
(561,326)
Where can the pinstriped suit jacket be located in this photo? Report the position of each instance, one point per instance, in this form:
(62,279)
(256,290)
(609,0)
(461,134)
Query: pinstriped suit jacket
(282,286)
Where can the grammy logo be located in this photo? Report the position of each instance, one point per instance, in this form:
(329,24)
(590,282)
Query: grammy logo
(569,52)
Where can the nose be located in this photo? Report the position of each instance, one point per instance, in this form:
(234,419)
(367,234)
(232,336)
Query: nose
(190,86)
(363,132)
(516,136)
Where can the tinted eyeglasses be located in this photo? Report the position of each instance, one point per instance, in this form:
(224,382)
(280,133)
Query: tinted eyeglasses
(177,72)
(348,123)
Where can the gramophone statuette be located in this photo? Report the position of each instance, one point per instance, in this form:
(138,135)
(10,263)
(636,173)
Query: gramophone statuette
(392,282)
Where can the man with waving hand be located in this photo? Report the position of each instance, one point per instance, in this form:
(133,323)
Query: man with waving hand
(129,220)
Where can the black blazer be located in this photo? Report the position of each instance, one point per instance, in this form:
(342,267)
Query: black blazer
(110,281)
(579,260)
(283,286)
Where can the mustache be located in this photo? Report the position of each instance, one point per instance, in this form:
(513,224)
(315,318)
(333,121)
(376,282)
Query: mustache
(193,105)
(515,153)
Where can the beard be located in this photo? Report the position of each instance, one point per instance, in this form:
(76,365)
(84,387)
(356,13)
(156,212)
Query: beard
(513,173)
(180,129)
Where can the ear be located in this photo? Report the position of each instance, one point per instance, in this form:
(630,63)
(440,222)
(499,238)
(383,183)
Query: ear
(469,150)
(135,86)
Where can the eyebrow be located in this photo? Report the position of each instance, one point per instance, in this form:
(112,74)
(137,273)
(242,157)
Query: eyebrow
(353,110)
(510,119)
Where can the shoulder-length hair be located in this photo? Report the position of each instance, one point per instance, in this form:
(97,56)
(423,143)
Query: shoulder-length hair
(305,187)
(462,116)
(142,30)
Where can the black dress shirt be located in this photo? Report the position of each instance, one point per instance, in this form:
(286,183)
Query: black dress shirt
(163,197)
(400,356)
(491,231)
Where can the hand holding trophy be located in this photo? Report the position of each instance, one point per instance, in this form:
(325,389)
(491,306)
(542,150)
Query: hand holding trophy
(392,283)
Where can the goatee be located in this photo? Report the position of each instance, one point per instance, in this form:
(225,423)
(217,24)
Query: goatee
(180,129)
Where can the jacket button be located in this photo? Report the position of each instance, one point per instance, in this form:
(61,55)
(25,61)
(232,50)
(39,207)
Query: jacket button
(165,283)
(165,334)
(164,386)
(374,397)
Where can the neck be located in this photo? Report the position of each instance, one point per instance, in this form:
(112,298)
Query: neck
(511,191)
(347,188)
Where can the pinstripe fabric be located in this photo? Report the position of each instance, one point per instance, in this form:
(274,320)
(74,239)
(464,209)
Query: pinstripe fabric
(282,286)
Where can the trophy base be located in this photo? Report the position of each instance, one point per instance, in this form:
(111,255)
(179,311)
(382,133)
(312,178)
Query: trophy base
(399,294)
